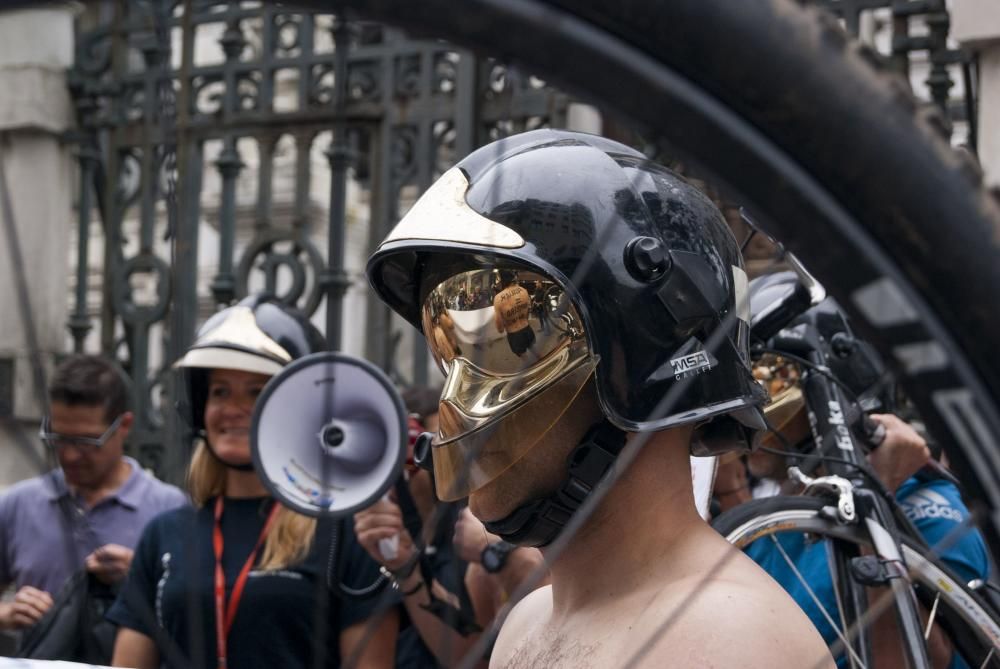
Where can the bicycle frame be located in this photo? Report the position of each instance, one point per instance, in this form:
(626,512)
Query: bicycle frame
(831,426)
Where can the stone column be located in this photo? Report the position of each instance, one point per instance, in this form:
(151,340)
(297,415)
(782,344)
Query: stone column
(36,48)
(976,26)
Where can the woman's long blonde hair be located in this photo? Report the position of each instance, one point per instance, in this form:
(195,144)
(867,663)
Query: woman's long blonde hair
(290,537)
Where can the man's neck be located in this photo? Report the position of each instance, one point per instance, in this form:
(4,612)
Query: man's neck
(91,495)
(643,524)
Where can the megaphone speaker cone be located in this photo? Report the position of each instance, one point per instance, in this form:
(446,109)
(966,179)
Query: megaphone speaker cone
(355,444)
(329,435)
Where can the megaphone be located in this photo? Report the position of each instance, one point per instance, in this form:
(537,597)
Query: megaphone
(328,435)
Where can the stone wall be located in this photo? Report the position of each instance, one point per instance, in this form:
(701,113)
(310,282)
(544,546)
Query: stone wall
(36,47)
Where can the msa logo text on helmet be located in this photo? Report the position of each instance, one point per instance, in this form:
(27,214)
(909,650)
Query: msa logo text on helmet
(689,365)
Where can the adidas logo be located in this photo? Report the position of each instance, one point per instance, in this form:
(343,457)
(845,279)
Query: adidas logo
(925,504)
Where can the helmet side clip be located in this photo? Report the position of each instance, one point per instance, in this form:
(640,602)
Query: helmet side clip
(691,292)
(689,289)
(646,259)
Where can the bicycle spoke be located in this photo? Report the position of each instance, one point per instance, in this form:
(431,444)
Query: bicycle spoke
(930,619)
(822,609)
(805,516)
(988,658)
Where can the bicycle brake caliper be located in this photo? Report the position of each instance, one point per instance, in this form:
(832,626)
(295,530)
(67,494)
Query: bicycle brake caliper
(828,486)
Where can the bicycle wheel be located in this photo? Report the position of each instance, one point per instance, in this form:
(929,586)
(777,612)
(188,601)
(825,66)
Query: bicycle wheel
(833,155)
(966,619)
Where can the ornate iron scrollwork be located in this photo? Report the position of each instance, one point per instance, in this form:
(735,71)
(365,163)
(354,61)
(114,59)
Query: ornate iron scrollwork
(136,311)
(151,108)
(275,250)
(893,20)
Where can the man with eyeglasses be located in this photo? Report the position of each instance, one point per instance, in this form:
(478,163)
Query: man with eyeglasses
(90,511)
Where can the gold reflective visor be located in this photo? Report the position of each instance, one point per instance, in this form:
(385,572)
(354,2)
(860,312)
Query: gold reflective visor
(785,411)
(499,321)
(503,337)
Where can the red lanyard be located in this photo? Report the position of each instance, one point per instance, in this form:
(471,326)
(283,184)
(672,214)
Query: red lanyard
(224,615)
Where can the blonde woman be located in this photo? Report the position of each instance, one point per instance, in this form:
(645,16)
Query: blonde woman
(234,582)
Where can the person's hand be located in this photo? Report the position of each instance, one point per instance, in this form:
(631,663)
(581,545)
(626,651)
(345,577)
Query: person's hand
(109,563)
(901,454)
(732,487)
(384,520)
(28,607)
(471,537)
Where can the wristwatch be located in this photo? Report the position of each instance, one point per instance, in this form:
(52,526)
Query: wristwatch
(494,556)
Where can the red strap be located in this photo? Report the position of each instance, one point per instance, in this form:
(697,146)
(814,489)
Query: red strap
(224,615)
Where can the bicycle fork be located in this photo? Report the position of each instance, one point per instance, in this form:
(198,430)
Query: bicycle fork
(856,503)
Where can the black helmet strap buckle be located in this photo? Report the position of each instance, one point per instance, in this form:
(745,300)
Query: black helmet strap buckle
(538,522)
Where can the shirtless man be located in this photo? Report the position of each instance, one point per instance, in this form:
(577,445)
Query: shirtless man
(645,272)
(511,307)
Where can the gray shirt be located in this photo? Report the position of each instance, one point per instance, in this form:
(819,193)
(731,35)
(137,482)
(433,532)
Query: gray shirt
(46,532)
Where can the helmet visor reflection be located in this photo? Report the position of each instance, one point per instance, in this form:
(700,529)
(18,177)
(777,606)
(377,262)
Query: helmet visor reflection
(499,321)
(502,337)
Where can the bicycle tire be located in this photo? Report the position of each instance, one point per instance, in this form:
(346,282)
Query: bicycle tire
(970,623)
(779,102)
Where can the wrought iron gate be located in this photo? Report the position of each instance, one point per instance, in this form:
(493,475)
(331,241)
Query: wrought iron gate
(201,122)
(200,126)
(918,30)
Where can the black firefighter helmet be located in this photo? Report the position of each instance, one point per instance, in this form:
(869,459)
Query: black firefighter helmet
(549,258)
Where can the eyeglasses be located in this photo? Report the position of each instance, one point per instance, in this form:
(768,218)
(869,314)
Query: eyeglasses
(57,441)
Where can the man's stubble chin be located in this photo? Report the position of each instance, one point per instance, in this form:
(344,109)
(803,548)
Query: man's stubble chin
(542,470)
(515,487)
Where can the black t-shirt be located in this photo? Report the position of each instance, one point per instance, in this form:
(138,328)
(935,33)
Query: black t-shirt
(169,590)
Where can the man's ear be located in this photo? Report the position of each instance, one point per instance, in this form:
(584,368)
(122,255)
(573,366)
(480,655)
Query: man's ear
(127,419)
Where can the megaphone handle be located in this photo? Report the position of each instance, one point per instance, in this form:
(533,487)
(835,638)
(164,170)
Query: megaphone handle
(335,570)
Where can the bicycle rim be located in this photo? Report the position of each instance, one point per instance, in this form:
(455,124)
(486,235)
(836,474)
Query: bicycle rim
(968,622)
(859,192)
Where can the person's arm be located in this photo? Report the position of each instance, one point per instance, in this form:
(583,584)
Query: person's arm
(134,649)
(133,610)
(490,591)
(447,645)
(471,538)
(379,649)
(521,564)
(29,604)
(384,520)
(732,487)
(28,607)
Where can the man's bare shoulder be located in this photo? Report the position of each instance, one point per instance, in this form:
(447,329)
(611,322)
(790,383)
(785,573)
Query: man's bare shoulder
(743,618)
(522,622)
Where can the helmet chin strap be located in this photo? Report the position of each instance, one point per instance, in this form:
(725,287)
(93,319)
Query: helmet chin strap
(538,522)
(241,467)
